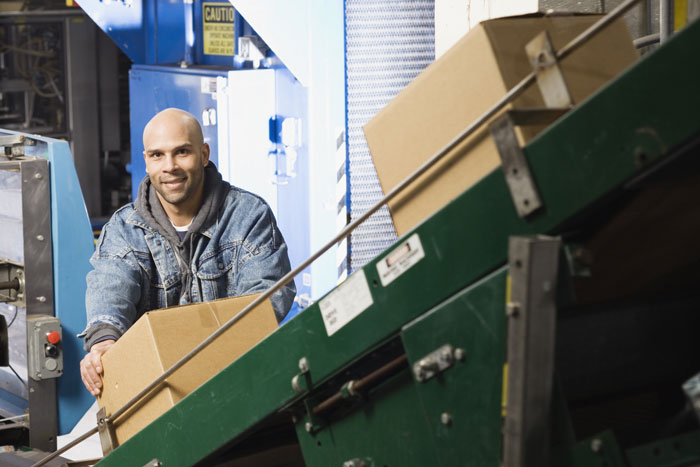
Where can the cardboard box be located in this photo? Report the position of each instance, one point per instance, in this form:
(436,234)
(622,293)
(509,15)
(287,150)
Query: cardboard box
(159,339)
(460,86)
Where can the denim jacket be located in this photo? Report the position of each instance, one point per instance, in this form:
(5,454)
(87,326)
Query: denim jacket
(136,270)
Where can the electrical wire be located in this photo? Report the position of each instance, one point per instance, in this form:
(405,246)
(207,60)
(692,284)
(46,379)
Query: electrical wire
(14,317)
(18,376)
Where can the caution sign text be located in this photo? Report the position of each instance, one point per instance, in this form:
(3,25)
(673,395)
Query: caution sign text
(217,29)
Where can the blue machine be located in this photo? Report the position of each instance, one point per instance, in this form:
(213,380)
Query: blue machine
(45,243)
(275,123)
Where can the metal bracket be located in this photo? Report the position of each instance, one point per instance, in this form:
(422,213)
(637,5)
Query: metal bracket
(531,309)
(108,439)
(550,79)
(153,463)
(14,145)
(10,272)
(579,260)
(513,162)
(517,172)
(434,363)
(303,371)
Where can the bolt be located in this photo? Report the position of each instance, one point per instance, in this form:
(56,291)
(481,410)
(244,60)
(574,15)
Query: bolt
(40,238)
(308,426)
(446,354)
(41,299)
(446,419)
(460,354)
(512,310)
(38,176)
(294,419)
(596,445)
(546,286)
(418,372)
(640,157)
(31,389)
(304,365)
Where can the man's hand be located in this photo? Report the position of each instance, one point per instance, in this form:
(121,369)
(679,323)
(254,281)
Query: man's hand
(91,367)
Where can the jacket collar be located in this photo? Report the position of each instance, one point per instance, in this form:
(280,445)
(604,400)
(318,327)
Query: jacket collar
(137,220)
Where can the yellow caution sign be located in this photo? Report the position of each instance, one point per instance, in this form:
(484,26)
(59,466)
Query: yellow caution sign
(218,29)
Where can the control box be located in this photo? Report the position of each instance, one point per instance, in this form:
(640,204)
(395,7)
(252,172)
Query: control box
(44,347)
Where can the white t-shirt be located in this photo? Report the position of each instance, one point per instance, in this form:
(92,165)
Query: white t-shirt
(181,231)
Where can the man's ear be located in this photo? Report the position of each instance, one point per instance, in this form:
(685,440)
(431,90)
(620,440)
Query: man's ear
(144,160)
(205,154)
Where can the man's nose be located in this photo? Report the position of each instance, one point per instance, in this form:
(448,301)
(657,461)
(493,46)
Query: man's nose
(169,163)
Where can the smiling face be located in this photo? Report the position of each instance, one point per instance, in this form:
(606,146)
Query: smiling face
(175,156)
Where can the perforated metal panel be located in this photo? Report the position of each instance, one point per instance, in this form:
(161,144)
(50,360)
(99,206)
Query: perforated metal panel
(389,42)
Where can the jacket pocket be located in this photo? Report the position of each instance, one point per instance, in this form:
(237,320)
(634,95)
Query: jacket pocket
(216,272)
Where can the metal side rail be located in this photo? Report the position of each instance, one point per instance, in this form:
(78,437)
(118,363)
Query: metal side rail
(620,134)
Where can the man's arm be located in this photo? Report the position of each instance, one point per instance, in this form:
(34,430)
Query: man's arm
(112,297)
(113,288)
(264,262)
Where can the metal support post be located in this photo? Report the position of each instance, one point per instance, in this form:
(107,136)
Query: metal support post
(531,310)
(37,284)
(665,20)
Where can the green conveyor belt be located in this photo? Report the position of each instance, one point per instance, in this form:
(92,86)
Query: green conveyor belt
(584,159)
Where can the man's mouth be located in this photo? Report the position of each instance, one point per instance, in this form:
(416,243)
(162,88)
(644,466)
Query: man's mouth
(172,183)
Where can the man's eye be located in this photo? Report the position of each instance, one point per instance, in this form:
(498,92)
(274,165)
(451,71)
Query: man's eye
(183,151)
(155,154)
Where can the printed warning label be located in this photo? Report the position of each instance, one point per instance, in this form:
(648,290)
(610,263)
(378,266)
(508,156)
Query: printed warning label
(400,260)
(341,306)
(217,29)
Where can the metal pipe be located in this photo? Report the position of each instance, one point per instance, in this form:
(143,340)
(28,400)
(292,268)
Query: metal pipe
(665,29)
(361,384)
(510,95)
(13,284)
(646,40)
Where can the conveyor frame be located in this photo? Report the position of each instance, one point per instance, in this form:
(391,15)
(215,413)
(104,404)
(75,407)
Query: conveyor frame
(621,134)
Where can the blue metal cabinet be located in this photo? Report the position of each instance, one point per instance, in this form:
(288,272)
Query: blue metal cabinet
(155,88)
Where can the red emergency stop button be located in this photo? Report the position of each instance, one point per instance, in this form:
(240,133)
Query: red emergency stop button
(53,337)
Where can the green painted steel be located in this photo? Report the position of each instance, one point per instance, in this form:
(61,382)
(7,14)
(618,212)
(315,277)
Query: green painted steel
(679,451)
(601,450)
(470,392)
(579,161)
(380,432)
(402,424)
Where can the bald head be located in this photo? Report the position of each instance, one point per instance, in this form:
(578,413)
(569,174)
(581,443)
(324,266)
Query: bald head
(172,120)
(176,155)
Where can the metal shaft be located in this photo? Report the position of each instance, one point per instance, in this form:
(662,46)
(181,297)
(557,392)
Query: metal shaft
(13,284)
(510,96)
(361,384)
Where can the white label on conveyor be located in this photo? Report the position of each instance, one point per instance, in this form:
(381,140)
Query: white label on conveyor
(341,306)
(400,260)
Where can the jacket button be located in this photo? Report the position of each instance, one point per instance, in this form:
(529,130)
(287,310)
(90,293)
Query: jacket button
(221,265)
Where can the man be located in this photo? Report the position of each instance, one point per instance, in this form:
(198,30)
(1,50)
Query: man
(188,237)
